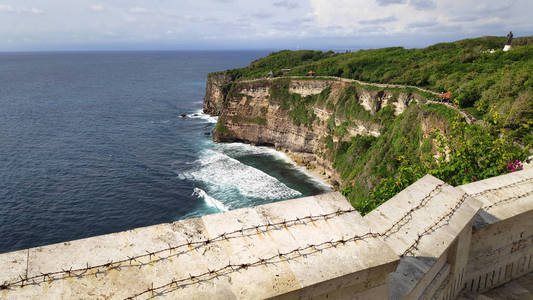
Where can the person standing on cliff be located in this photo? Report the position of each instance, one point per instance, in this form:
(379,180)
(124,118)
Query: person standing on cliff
(509,38)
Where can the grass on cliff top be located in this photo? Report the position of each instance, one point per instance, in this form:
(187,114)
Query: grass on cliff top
(481,82)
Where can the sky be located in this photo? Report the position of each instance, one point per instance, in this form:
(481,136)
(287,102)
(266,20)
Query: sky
(47,25)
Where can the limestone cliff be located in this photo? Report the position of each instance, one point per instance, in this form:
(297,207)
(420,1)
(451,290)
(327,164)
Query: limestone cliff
(254,112)
(215,93)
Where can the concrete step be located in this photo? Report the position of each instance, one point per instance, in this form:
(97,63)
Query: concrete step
(518,289)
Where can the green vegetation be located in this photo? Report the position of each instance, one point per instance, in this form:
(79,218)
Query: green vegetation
(481,82)
(274,62)
(256,120)
(300,108)
(220,128)
(375,169)
(426,138)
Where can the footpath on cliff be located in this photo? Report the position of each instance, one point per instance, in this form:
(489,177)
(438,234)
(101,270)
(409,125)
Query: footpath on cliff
(468,117)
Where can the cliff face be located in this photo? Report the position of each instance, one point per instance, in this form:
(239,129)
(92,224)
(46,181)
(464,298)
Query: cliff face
(253,112)
(215,93)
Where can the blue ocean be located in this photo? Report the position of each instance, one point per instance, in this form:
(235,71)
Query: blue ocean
(93,143)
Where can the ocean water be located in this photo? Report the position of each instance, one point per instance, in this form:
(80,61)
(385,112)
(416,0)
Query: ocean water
(93,143)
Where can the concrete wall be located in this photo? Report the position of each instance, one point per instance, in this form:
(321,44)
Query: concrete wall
(431,241)
(502,237)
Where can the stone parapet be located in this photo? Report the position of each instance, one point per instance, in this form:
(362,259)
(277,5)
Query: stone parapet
(431,241)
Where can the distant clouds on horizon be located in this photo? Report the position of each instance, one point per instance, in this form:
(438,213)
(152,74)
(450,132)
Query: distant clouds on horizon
(243,24)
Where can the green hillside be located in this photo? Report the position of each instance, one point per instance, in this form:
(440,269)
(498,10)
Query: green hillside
(482,83)
(495,87)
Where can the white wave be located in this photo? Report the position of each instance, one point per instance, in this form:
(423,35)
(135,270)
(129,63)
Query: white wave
(221,172)
(247,149)
(210,201)
(199,114)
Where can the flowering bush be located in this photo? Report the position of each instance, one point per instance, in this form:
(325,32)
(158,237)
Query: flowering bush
(514,166)
(465,154)
(475,152)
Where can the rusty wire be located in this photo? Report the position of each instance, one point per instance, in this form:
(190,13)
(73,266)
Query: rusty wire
(508,199)
(210,274)
(245,232)
(242,232)
(501,187)
(444,219)
(230,267)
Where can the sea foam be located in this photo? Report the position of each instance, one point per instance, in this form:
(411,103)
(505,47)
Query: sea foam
(246,149)
(199,114)
(223,175)
(210,201)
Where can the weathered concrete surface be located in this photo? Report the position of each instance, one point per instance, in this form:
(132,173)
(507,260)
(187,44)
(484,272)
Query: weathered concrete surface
(469,239)
(434,250)
(345,271)
(502,238)
(518,289)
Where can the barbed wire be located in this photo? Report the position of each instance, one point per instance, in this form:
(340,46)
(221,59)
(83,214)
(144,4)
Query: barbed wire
(211,274)
(136,261)
(193,245)
(443,220)
(446,218)
(230,268)
(406,217)
(183,282)
(508,199)
(502,187)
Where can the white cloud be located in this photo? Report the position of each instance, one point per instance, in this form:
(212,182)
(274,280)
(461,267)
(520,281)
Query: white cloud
(6,8)
(35,11)
(97,7)
(253,24)
(137,10)
(20,10)
(401,17)
(286,4)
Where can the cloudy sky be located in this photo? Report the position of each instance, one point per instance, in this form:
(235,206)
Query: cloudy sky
(250,24)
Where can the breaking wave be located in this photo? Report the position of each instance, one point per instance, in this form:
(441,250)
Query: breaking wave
(230,180)
(246,149)
(210,201)
(199,114)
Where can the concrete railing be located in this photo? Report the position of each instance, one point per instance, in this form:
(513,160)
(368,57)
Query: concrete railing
(502,237)
(430,241)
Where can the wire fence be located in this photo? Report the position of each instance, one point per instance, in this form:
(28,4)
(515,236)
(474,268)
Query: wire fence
(502,187)
(176,284)
(190,245)
(149,257)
